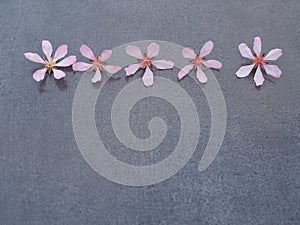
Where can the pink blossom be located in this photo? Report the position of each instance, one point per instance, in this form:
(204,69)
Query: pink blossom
(146,62)
(198,62)
(50,63)
(259,61)
(97,64)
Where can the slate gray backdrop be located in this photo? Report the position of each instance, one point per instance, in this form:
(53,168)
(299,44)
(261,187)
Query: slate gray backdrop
(255,177)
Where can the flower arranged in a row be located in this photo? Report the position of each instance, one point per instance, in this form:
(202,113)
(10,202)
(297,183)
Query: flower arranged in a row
(51,63)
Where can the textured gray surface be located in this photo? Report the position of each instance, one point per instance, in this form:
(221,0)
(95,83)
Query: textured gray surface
(255,177)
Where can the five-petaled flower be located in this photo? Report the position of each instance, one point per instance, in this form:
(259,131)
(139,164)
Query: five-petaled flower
(198,62)
(50,63)
(146,62)
(97,64)
(260,62)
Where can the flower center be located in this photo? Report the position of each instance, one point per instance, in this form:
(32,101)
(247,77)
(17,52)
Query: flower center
(146,62)
(97,63)
(259,60)
(197,61)
(49,65)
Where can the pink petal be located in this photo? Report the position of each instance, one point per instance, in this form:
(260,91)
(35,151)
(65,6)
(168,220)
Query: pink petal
(97,76)
(206,49)
(105,55)
(257,46)
(131,69)
(152,50)
(273,70)
(273,54)
(81,66)
(39,74)
(47,49)
(200,75)
(67,61)
(215,64)
(188,53)
(134,51)
(58,74)
(184,71)
(112,69)
(258,77)
(148,77)
(245,51)
(244,71)
(60,52)
(163,64)
(34,57)
(87,52)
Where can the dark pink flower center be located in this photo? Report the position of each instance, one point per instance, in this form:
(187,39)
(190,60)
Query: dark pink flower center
(146,62)
(198,61)
(98,63)
(259,61)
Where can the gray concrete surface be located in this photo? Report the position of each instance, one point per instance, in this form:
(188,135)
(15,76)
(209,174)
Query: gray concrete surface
(255,177)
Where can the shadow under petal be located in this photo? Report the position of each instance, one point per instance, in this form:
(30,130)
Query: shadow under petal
(61,84)
(43,85)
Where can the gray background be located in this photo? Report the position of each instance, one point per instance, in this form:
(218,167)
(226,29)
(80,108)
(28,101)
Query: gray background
(255,177)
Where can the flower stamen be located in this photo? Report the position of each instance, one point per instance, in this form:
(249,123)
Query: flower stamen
(197,61)
(259,61)
(98,63)
(49,65)
(146,62)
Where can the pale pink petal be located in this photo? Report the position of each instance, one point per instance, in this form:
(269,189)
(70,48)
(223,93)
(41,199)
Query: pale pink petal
(184,71)
(200,75)
(134,51)
(67,61)
(148,77)
(39,74)
(257,46)
(112,69)
(188,53)
(273,70)
(34,57)
(105,55)
(273,54)
(131,69)
(206,49)
(58,74)
(81,66)
(60,52)
(163,64)
(97,76)
(47,49)
(87,52)
(215,64)
(245,51)
(258,77)
(152,50)
(244,71)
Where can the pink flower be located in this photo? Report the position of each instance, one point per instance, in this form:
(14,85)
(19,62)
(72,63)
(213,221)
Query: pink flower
(97,64)
(260,61)
(146,62)
(198,62)
(50,63)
